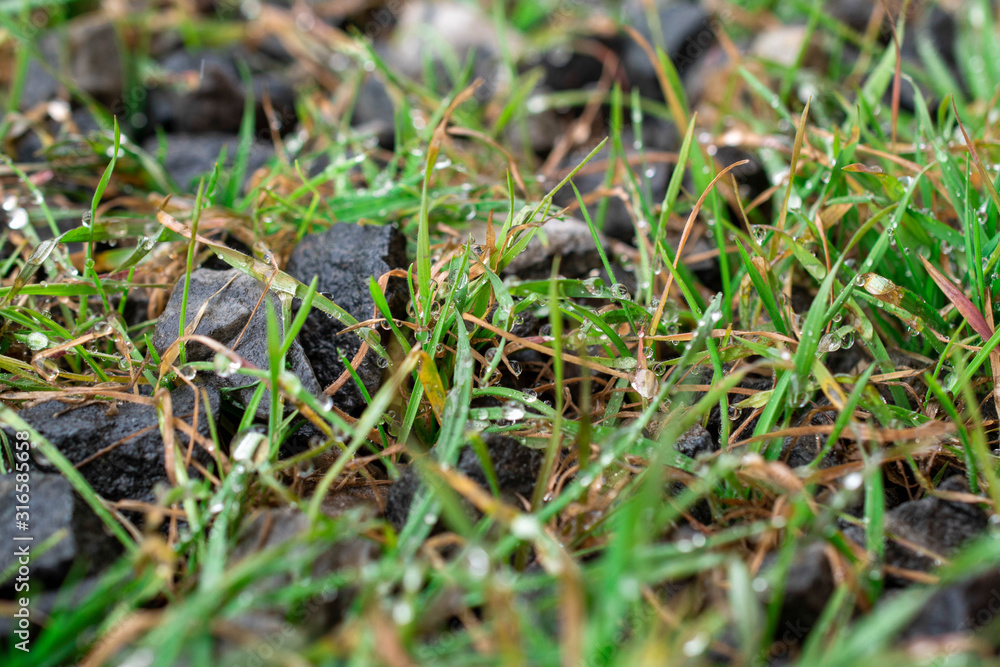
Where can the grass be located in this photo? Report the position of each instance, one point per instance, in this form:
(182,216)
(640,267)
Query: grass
(884,237)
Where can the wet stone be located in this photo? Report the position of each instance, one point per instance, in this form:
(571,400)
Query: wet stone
(190,156)
(963,607)
(652,177)
(695,442)
(516,467)
(204,93)
(344,258)
(567,238)
(54,507)
(224,319)
(136,463)
(808,585)
(374,113)
(940,525)
(687,37)
(270,529)
(802,450)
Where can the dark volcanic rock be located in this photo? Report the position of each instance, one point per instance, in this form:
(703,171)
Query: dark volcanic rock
(938,525)
(95,64)
(39,85)
(223,320)
(374,113)
(687,36)
(808,585)
(652,178)
(86,51)
(274,528)
(213,104)
(941,526)
(695,442)
(344,257)
(516,467)
(53,506)
(567,238)
(963,607)
(802,450)
(136,464)
(189,156)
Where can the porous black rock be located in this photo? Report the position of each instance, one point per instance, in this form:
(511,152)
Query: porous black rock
(807,585)
(51,506)
(652,177)
(374,113)
(203,92)
(232,298)
(275,528)
(516,467)
(567,238)
(344,258)
(803,449)
(934,524)
(962,607)
(134,462)
(189,156)
(940,525)
(695,442)
(687,33)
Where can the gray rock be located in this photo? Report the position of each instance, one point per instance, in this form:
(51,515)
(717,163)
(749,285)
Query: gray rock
(86,51)
(344,257)
(215,104)
(516,467)
(374,113)
(653,179)
(189,156)
(52,506)
(802,450)
(687,37)
(939,525)
(934,523)
(446,32)
(206,93)
(95,63)
(964,607)
(808,585)
(695,442)
(39,85)
(223,320)
(567,238)
(273,528)
(136,464)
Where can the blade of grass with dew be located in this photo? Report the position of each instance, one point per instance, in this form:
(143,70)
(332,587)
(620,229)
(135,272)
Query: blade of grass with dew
(764,291)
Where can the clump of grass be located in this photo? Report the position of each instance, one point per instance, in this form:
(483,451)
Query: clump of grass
(884,241)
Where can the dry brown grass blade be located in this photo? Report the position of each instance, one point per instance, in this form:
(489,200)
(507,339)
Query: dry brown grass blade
(684,237)
(980,167)
(571,358)
(680,116)
(800,135)
(897,76)
(164,407)
(131,627)
(489,141)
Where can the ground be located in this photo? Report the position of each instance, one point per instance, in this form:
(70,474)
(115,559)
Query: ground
(572,332)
